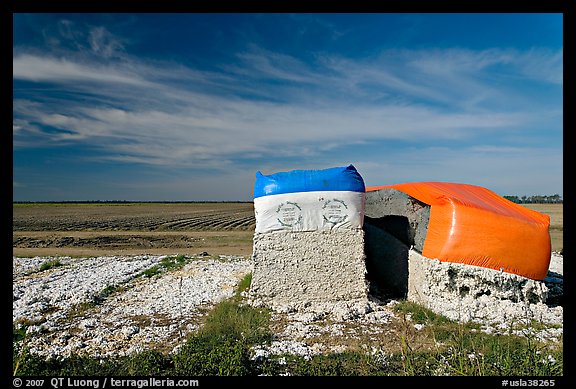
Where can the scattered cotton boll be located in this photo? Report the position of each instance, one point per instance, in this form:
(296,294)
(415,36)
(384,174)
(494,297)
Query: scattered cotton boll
(150,310)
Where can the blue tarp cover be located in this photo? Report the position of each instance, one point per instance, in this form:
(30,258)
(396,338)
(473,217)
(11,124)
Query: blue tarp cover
(344,178)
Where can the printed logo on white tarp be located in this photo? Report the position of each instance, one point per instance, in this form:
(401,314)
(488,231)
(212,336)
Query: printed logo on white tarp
(289,214)
(310,211)
(335,211)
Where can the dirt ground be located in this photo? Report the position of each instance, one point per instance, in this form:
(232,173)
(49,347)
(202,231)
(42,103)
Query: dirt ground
(129,229)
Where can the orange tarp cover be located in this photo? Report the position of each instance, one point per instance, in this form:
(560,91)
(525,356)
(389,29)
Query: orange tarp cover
(475,226)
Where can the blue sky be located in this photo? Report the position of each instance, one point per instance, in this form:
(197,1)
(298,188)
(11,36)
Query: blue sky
(188,107)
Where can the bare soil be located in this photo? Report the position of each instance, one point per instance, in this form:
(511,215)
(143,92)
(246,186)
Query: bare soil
(74,229)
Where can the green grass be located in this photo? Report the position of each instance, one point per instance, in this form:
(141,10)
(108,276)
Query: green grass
(243,285)
(50,264)
(166,264)
(223,347)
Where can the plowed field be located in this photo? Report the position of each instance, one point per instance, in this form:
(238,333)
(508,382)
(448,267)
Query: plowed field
(133,228)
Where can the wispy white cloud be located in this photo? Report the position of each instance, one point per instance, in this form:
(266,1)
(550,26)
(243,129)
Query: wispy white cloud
(61,70)
(263,64)
(103,43)
(456,78)
(542,65)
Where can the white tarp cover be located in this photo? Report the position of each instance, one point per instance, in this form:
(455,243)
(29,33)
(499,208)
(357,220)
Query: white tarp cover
(309,211)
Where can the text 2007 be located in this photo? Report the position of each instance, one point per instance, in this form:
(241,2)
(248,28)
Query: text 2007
(39,382)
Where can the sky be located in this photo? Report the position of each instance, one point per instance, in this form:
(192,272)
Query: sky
(189,106)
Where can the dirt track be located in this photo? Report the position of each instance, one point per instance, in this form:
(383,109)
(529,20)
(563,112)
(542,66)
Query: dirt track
(127,229)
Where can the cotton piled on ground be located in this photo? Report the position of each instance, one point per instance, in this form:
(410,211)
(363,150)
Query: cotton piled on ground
(50,294)
(161,311)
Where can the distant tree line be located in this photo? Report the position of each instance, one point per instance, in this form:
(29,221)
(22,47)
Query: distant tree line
(539,199)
